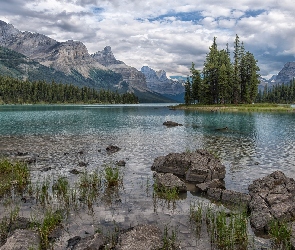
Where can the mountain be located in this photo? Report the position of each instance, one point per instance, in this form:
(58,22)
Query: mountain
(71,61)
(286,74)
(158,81)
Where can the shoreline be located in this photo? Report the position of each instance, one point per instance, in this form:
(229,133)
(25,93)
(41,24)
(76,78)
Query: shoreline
(264,107)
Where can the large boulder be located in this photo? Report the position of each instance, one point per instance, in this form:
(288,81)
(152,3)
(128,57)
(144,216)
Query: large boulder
(169,181)
(198,166)
(272,197)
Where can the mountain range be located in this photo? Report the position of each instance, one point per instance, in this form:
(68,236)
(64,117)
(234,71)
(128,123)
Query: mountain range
(34,56)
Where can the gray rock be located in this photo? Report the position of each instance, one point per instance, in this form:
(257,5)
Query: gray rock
(228,196)
(271,197)
(216,183)
(235,197)
(22,240)
(93,242)
(214,193)
(169,181)
(142,237)
(198,167)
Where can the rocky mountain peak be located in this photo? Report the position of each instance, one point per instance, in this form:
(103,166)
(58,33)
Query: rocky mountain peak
(159,82)
(106,57)
(286,74)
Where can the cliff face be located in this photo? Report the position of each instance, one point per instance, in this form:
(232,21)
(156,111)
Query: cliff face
(158,81)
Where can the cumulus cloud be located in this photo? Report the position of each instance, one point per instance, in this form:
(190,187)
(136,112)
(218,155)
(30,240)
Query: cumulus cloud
(164,35)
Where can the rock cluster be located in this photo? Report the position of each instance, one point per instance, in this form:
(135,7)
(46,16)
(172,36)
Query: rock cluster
(198,167)
(272,197)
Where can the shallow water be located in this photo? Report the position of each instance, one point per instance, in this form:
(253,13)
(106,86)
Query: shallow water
(252,146)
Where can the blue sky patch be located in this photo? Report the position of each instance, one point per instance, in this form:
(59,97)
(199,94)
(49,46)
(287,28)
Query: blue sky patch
(194,16)
(253,13)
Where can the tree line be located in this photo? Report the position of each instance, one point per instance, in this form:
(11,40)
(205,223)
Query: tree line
(280,93)
(15,91)
(223,81)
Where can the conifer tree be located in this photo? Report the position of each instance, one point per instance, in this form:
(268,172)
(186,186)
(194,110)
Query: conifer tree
(187,94)
(196,84)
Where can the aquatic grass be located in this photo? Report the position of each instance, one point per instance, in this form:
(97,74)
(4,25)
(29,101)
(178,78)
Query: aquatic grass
(280,233)
(169,239)
(89,185)
(50,221)
(42,193)
(226,230)
(61,190)
(169,194)
(112,176)
(6,222)
(229,229)
(13,176)
(196,216)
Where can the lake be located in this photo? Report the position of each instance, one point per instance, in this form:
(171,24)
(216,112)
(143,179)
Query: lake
(252,146)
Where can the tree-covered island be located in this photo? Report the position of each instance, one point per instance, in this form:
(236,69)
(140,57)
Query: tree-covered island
(233,84)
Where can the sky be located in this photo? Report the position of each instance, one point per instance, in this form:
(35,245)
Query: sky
(164,35)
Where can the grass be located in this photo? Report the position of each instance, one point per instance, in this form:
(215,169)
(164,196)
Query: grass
(280,233)
(226,230)
(261,107)
(112,176)
(6,223)
(14,176)
(169,194)
(169,239)
(50,221)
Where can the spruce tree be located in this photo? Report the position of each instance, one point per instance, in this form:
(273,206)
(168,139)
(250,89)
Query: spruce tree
(196,84)
(187,94)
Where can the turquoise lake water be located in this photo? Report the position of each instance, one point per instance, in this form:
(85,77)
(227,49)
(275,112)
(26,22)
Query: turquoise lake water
(254,144)
(60,137)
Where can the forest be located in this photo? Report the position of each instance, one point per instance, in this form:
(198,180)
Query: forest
(280,93)
(223,81)
(15,91)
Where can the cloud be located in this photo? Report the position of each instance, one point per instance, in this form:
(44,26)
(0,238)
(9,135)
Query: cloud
(164,35)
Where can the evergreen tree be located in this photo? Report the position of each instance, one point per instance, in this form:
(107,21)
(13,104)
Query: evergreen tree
(196,84)
(210,73)
(236,72)
(187,94)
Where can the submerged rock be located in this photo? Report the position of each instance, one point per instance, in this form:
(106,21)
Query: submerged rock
(112,149)
(121,163)
(272,197)
(229,196)
(142,237)
(93,242)
(216,183)
(169,181)
(171,124)
(198,167)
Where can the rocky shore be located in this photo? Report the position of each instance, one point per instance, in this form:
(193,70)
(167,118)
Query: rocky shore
(270,198)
